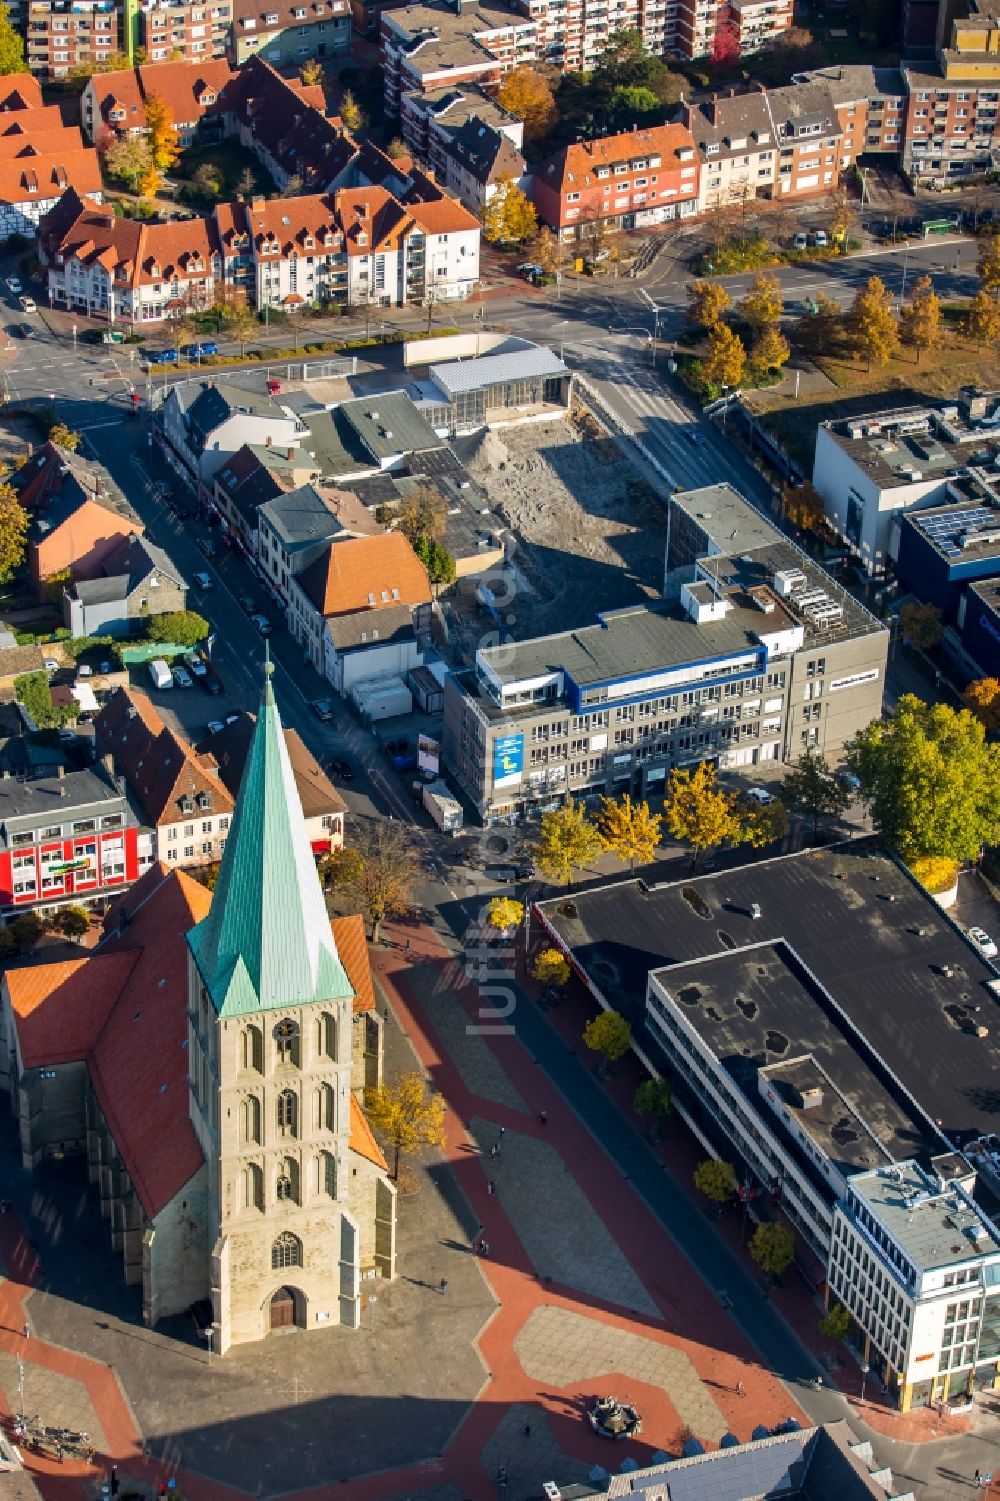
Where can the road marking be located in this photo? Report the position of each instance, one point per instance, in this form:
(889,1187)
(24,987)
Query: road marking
(93,427)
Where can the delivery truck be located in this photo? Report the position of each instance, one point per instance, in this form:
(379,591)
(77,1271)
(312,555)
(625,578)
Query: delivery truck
(160,673)
(443,806)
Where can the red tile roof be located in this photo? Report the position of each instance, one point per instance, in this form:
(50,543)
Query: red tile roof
(57,1013)
(49,174)
(187,89)
(159,766)
(352,946)
(362,1138)
(342,580)
(574,167)
(19,91)
(133,254)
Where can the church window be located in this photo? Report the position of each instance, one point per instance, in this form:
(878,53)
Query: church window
(286,1041)
(326,1174)
(253,1049)
(250,1119)
(325,1113)
(326,1036)
(252,1187)
(286,1251)
(288,1110)
(286,1187)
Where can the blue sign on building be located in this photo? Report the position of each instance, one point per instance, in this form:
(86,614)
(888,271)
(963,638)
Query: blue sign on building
(508,757)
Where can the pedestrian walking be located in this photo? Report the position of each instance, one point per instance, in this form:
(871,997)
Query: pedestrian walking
(503,1130)
(27,1334)
(486,1248)
(491,1187)
(527,1430)
(114,1480)
(407,945)
(543,1116)
(741,1390)
(4,1206)
(979,1481)
(495,1150)
(443,1286)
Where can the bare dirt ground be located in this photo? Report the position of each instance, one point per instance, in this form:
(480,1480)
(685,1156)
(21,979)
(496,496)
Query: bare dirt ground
(588,532)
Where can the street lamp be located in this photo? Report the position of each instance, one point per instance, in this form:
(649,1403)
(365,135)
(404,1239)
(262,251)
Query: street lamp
(501,1482)
(906,256)
(208,1335)
(865,1368)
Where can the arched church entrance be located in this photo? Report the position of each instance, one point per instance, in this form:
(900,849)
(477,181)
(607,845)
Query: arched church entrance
(287,1309)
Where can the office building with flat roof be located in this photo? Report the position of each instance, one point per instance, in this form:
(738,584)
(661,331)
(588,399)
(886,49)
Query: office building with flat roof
(753,656)
(831,1032)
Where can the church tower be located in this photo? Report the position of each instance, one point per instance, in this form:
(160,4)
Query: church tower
(270,1068)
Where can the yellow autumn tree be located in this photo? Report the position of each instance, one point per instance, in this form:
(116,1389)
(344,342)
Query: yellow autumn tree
(162,133)
(762,304)
(406,1114)
(629,830)
(872,328)
(505,912)
(698,810)
(707,301)
(770,350)
(920,320)
(350,112)
(988,266)
(726,358)
(527,94)
(508,216)
(566,839)
(551,968)
(982,698)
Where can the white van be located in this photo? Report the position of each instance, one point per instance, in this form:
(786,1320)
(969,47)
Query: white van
(160,673)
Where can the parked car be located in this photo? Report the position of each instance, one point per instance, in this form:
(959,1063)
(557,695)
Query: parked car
(211,683)
(27,305)
(694,435)
(247,604)
(322,708)
(50,664)
(274,387)
(507,874)
(342,769)
(162,356)
(207,546)
(14,285)
(195,664)
(820,238)
(181,676)
(202,580)
(262,624)
(759,795)
(25,331)
(215,726)
(199,351)
(984,943)
(85,670)
(800,242)
(233,718)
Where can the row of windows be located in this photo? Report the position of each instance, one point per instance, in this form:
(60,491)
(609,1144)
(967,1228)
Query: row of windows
(286,1187)
(287,1038)
(287,1114)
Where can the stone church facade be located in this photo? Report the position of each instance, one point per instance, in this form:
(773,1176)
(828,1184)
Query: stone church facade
(207,1057)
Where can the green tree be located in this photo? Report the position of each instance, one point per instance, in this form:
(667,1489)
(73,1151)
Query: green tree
(626,62)
(181,627)
(380,871)
(697,809)
(629,829)
(129,159)
(164,144)
(406,1114)
(773,1248)
(814,791)
(982,698)
(762,304)
(504,912)
(350,112)
(608,1034)
(769,350)
(551,968)
(14,523)
(396,149)
(654,1101)
(921,317)
(527,95)
(442,569)
(631,104)
(989,264)
(208,181)
(72,922)
(835,1324)
(716,1180)
(422,513)
(64,437)
(508,216)
(982,320)
(239,321)
(872,329)
(32,691)
(707,301)
(566,840)
(760,824)
(246,183)
(726,358)
(921,625)
(930,778)
(11,47)
(26,930)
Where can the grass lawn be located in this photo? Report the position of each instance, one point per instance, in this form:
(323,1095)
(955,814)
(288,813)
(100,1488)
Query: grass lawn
(942,372)
(230,158)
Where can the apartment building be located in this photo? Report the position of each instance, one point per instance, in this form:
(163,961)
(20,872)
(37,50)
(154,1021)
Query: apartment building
(951,121)
(871,467)
(774,143)
(758,23)
(117,101)
(753,656)
(871,108)
(429,122)
(60,34)
(184,30)
(864,1125)
(640,177)
(435,45)
(184,801)
(287,32)
(296,527)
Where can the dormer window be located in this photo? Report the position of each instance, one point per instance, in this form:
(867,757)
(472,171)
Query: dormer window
(187,804)
(362,237)
(204,801)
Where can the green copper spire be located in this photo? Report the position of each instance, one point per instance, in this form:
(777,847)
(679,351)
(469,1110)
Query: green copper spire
(266,944)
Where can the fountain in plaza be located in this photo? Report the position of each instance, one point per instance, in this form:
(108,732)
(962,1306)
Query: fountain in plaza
(613,1419)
